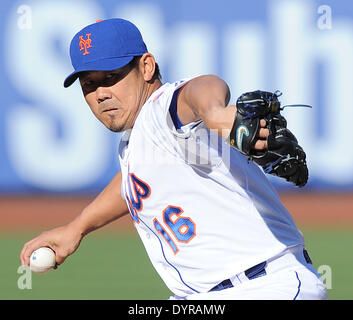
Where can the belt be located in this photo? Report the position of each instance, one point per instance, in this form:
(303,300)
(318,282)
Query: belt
(254,272)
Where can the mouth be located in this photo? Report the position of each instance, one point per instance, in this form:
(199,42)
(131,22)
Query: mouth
(110,109)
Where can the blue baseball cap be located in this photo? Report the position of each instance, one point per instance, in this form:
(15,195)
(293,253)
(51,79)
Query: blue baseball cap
(103,46)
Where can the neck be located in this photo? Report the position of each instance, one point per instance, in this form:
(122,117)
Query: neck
(147,92)
(153,87)
(149,89)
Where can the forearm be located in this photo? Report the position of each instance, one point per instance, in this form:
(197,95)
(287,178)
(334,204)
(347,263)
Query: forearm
(208,97)
(220,118)
(105,208)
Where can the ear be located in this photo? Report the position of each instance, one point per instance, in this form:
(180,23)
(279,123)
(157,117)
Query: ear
(147,66)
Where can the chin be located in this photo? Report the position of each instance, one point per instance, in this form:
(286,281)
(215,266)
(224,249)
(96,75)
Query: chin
(115,127)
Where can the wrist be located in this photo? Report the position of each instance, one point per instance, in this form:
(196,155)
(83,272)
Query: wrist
(79,226)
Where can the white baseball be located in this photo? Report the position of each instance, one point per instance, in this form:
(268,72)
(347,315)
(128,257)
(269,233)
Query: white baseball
(42,260)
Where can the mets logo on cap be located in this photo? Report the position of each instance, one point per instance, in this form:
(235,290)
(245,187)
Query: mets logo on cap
(85,43)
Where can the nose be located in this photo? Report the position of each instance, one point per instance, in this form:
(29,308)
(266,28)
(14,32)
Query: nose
(103,93)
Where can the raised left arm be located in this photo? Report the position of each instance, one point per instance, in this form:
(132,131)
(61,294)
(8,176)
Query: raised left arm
(206,98)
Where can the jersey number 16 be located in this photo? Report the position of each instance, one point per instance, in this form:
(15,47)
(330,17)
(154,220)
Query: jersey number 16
(182,228)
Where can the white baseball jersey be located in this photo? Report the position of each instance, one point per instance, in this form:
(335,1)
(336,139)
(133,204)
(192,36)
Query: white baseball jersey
(204,212)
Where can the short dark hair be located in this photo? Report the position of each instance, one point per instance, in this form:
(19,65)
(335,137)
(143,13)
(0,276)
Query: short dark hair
(157,73)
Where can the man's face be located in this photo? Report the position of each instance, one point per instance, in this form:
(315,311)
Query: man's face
(114,97)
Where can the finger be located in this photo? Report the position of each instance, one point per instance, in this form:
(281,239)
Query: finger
(60,257)
(29,248)
(260,145)
(26,255)
(263,123)
(264,133)
(22,256)
(23,253)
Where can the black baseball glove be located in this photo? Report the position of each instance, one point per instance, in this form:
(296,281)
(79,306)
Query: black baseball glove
(284,157)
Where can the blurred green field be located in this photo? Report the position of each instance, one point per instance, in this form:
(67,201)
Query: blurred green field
(107,266)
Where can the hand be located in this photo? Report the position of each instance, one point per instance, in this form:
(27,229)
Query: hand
(261,143)
(62,240)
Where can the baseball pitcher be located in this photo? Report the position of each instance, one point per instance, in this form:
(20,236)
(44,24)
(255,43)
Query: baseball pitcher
(193,175)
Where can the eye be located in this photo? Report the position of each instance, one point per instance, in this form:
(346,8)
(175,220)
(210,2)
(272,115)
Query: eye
(111,76)
(88,83)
